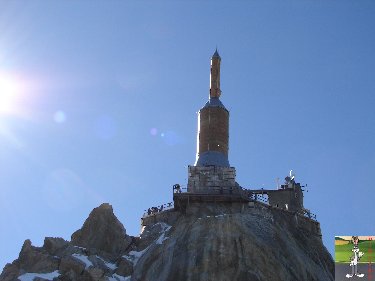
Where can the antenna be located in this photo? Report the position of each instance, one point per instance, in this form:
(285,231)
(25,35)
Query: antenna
(292,174)
(278,183)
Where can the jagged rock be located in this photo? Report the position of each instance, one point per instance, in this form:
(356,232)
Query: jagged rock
(55,246)
(70,275)
(71,249)
(125,268)
(10,272)
(150,233)
(215,243)
(69,263)
(35,259)
(96,274)
(102,264)
(102,231)
(209,241)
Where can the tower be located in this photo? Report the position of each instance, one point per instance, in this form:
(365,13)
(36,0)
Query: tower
(213,124)
(211,171)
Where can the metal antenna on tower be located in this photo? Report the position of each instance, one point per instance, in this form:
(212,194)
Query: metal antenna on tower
(292,175)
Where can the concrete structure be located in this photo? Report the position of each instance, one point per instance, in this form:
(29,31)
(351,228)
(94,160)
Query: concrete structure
(289,197)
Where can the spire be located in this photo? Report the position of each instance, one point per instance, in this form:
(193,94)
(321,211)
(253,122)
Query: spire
(215,91)
(216,54)
(213,124)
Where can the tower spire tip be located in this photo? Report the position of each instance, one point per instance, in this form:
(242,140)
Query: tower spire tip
(216,54)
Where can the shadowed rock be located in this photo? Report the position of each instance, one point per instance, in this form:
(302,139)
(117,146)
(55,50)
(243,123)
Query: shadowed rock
(102,231)
(213,242)
(35,259)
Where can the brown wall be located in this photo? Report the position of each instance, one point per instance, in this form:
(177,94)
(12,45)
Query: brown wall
(213,134)
(215,78)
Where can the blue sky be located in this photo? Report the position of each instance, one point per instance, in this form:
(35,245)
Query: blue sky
(99,103)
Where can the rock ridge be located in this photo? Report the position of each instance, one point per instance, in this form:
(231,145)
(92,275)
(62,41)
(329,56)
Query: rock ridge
(218,242)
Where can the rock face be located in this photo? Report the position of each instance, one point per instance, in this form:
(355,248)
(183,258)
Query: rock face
(214,243)
(208,242)
(103,232)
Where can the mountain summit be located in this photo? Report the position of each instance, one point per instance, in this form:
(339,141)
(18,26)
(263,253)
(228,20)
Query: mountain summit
(217,241)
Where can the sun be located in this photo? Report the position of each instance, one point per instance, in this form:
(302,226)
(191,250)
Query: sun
(9,89)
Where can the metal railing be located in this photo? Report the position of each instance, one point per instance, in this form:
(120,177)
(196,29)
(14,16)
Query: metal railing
(248,194)
(217,190)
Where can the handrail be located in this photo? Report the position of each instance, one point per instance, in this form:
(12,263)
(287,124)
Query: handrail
(247,194)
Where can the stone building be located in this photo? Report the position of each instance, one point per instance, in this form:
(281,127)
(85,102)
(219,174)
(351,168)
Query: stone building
(212,172)
(212,175)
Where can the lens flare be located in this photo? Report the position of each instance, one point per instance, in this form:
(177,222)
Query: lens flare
(17,97)
(59,116)
(8,94)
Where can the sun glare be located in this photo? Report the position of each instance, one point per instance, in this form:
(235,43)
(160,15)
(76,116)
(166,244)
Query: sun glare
(8,94)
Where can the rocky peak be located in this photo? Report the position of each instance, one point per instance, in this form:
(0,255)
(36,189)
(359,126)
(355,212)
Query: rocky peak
(103,232)
(212,241)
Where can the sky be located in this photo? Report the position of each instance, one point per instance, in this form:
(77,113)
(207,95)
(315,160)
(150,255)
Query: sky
(99,102)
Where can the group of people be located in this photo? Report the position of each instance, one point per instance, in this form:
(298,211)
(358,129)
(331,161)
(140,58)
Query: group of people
(154,210)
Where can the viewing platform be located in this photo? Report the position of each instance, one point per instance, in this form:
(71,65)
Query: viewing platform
(182,198)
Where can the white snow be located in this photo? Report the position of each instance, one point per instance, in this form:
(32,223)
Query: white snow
(31,276)
(108,264)
(161,239)
(116,277)
(165,228)
(134,256)
(84,259)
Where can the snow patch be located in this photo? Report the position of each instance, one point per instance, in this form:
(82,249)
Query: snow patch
(161,239)
(116,277)
(31,276)
(83,259)
(108,264)
(134,256)
(165,228)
